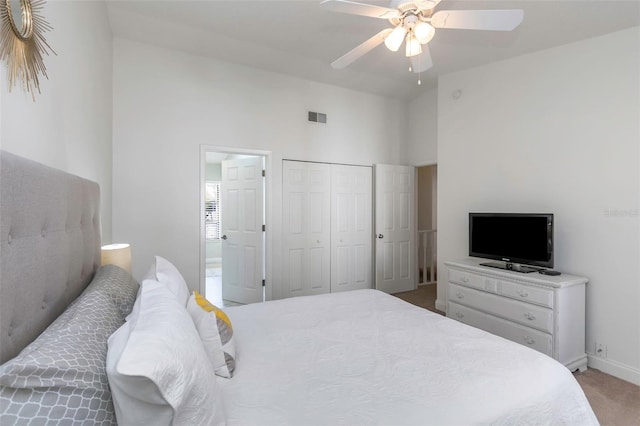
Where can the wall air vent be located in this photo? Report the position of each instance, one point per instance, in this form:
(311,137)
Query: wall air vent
(317,117)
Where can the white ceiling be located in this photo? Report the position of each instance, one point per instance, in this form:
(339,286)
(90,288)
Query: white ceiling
(298,38)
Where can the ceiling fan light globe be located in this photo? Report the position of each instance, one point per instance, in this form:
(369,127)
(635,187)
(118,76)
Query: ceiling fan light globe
(394,40)
(413,47)
(424,32)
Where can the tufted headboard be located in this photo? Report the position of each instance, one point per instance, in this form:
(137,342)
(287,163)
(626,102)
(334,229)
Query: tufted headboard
(49,246)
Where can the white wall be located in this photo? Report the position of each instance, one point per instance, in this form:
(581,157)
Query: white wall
(213,172)
(69,124)
(168,103)
(555,131)
(422,147)
(426,176)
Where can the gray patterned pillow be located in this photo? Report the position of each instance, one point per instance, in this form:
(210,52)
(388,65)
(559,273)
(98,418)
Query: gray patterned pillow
(118,284)
(60,378)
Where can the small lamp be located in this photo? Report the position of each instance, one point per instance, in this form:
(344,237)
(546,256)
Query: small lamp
(423,32)
(117,254)
(413,46)
(395,38)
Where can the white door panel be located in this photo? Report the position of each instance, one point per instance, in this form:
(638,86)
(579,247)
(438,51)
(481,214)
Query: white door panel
(242,246)
(351,228)
(306,228)
(395,228)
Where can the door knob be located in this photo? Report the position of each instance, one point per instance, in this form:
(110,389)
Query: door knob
(224,237)
(380,236)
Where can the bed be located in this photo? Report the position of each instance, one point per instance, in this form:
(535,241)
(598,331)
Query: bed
(352,358)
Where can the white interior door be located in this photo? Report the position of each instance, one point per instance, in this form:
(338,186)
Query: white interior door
(306,266)
(395,228)
(242,204)
(351,210)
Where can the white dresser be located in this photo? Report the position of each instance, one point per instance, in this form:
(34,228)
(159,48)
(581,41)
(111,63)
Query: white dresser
(546,313)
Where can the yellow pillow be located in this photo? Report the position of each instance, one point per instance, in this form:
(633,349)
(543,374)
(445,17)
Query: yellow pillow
(216,334)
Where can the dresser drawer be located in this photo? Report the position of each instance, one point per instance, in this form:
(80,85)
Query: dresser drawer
(523,313)
(535,339)
(473,280)
(529,294)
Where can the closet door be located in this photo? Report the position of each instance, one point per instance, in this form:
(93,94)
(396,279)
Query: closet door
(306,209)
(351,228)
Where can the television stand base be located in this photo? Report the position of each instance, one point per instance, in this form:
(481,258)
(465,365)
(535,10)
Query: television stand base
(516,267)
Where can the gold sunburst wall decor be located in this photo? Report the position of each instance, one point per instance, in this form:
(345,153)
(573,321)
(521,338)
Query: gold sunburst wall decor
(22,42)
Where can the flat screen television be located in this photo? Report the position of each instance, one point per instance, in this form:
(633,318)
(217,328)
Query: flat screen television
(513,238)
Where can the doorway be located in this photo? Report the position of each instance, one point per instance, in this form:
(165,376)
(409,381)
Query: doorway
(233,227)
(427,203)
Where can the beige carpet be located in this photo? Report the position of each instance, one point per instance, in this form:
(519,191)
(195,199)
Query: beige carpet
(615,402)
(424,296)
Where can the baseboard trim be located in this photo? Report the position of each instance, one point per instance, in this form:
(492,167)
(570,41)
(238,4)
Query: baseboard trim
(441,306)
(614,368)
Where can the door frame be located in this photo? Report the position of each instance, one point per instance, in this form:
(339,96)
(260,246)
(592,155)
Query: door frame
(268,258)
(441,282)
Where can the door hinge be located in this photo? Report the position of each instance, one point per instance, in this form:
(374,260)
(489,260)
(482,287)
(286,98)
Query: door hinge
(264,284)
(264,228)
(264,173)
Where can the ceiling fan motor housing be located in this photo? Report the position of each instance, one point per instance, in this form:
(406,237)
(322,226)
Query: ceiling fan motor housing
(412,12)
(416,27)
(403,5)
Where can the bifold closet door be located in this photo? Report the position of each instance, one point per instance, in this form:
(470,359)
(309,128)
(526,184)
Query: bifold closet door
(351,227)
(306,210)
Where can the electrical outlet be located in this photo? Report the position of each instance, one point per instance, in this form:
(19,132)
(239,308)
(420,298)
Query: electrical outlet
(601,350)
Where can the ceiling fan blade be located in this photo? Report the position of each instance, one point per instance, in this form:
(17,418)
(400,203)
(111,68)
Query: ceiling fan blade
(495,20)
(421,62)
(349,57)
(362,9)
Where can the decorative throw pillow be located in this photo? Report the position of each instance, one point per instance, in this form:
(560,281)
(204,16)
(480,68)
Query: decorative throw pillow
(157,367)
(60,378)
(216,333)
(118,285)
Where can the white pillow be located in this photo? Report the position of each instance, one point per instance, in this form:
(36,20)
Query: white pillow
(158,371)
(169,275)
(149,275)
(216,333)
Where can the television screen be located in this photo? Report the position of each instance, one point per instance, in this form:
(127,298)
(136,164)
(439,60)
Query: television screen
(523,238)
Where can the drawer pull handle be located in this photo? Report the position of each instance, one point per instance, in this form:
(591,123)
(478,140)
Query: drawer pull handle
(464,280)
(529,316)
(460,295)
(459,315)
(529,340)
(523,293)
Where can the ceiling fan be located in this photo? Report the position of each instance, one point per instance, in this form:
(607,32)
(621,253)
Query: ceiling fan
(415,22)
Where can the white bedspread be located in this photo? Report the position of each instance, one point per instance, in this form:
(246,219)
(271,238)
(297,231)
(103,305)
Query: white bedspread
(367,358)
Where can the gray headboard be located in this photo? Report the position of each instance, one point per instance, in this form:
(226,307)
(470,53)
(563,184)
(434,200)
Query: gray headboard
(49,246)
